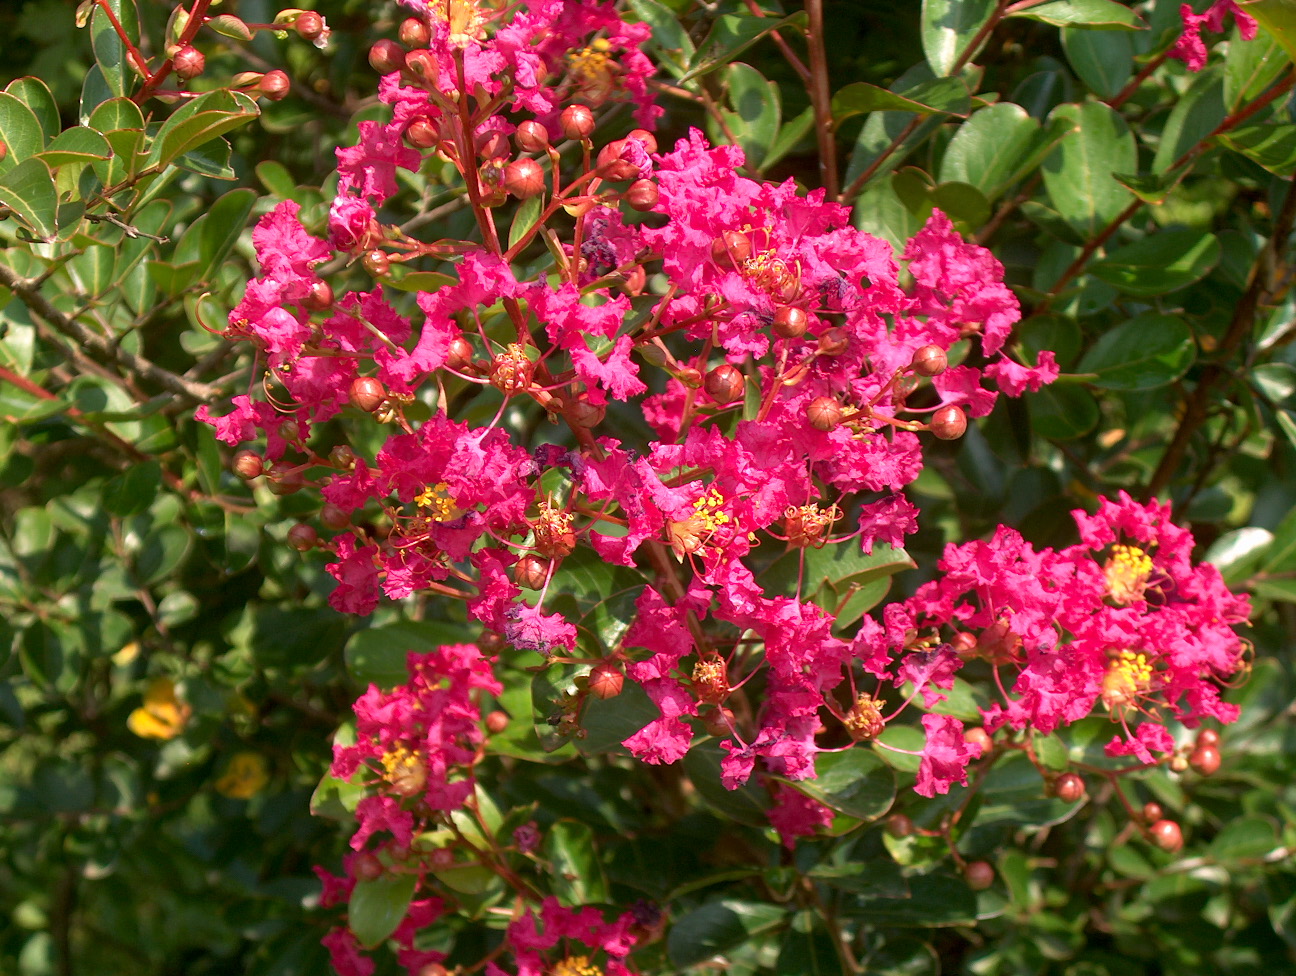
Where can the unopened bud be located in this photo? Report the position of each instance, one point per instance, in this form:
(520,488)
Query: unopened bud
(576,122)
(309,25)
(422,134)
(492,145)
(1167,835)
(612,166)
(718,721)
(978,738)
(423,65)
(366,867)
(724,384)
(645,138)
(524,178)
(824,413)
(790,322)
(606,680)
(274,85)
(318,297)
(302,537)
(497,722)
(929,361)
(1070,788)
(979,875)
(188,63)
(899,826)
(247,465)
(531,572)
(287,483)
(367,393)
(642,195)
(460,354)
(343,457)
(1152,812)
(583,413)
(386,56)
(833,342)
(731,249)
(334,518)
(949,423)
(414,32)
(1205,759)
(377,263)
(531,137)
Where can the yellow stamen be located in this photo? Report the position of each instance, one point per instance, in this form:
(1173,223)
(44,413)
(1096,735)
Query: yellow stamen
(575,966)
(1127,569)
(1129,675)
(404,771)
(864,720)
(435,502)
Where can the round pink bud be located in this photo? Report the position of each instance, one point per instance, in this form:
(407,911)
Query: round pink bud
(422,134)
(247,465)
(1208,737)
(1167,835)
(414,32)
(386,56)
(979,737)
(492,145)
(790,322)
(274,85)
(309,25)
(497,722)
(287,483)
(422,64)
(460,355)
(898,825)
(302,537)
(606,680)
(724,384)
(979,875)
(334,518)
(1206,760)
(367,867)
(645,138)
(576,122)
(367,393)
(642,195)
(1152,812)
(376,263)
(531,136)
(524,178)
(582,413)
(731,249)
(929,361)
(824,413)
(612,167)
(833,342)
(949,423)
(718,721)
(318,297)
(1070,788)
(531,572)
(188,62)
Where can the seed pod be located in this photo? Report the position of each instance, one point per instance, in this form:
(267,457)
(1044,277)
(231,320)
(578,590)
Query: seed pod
(531,136)
(386,56)
(824,413)
(790,322)
(731,249)
(524,178)
(188,63)
(642,195)
(1167,835)
(247,465)
(949,423)
(606,680)
(576,122)
(1070,788)
(724,384)
(309,25)
(414,32)
(929,361)
(274,85)
(979,875)
(302,537)
(367,393)
(1205,759)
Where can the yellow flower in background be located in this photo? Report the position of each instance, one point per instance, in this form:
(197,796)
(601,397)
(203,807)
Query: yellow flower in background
(163,715)
(246,775)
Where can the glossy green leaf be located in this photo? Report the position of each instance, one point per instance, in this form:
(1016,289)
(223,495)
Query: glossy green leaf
(199,121)
(936,900)
(1102,15)
(718,926)
(95,90)
(78,144)
(336,798)
(576,871)
(28,190)
(1150,187)
(1078,172)
(1159,263)
(887,137)
(1250,67)
(940,96)
(1103,60)
(1245,837)
(528,212)
(904,956)
(1192,120)
(1278,18)
(992,148)
(224,224)
(1148,351)
(20,131)
(378,906)
(807,948)
(19,406)
(1238,553)
(116,113)
(110,53)
(669,37)
(752,112)
(378,655)
(732,34)
(1272,145)
(35,94)
(134,490)
(606,722)
(746,805)
(403,280)
(789,135)
(854,782)
(230,26)
(948,28)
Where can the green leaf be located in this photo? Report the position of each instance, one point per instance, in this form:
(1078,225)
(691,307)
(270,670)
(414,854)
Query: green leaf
(904,956)
(718,927)
(378,906)
(745,805)
(1102,15)
(35,94)
(110,53)
(274,176)
(1150,187)
(1160,263)
(20,131)
(28,190)
(116,113)
(1245,837)
(198,122)
(223,224)
(1078,172)
(1250,67)
(1238,553)
(576,872)
(1278,18)
(994,148)
(609,721)
(230,26)
(134,490)
(377,655)
(78,144)
(19,406)
(94,92)
(791,133)
(674,47)
(948,27)
(1148,351)
(528,212)
(936,900)
(1103,60)
(1194,117)
(752,114)
(336,799)
(940,96)
(731,34)
(1272,145)
(807,948)
(854,782)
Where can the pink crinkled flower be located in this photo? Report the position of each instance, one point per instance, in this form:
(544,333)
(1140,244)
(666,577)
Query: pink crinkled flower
(1190,48)
(369,168)
(945,756)
(796,815)
(666,739)
(283,248)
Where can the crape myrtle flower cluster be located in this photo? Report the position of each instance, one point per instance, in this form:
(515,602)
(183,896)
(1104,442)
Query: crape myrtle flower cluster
(1190,48)
(792,371)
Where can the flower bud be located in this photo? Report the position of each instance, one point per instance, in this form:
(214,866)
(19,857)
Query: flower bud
(531,137)
(606,680)
(898,826)
(386,56)
(334,518)
(414,32)
(366,867)
(1205,759)
(531,572)
(422,134)
(979,875)
(422,65)
(302,537)
(318,297)
(611,165)
(824,413)
(790,322)
(833,342)
(642,195)
(718,721)
(497,722)
(576,122)
(377,263)
(964,644)
(1152,812)
(367,393)
(645,138)
(287,483)
(980,738)
(1070,788)
(724,384)
(949,423)
(731,249)
(1208,737)
(1167,835)
(188,62)
(524,178)
(1178,763)
(309,25)
(690,377)
(274,85)
(583,413)
(460,354)
(247,465)
(929,361)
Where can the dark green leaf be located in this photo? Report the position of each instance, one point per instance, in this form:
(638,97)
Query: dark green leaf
(854,782)
(378,655)
(527,214)
(1272,145)
(1103,15)
(403,280)
(20,131)
(1104,60)
(378,906)
(28,190)
(668,35)
(1160,263)
(753,111)
(76,145)
(941,96)
(717,927)
(731,34)
(608,721)
(1194,117)
(1250,68)
(134,490)
(198,122)
(807,948)
(936,900)
(577,873)
(35,94)
(1078,172)
(1245,837)
(791,133)
(989,149)
(110,53)
(948,28)
(1148,351)
(223,224)
(745,805)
